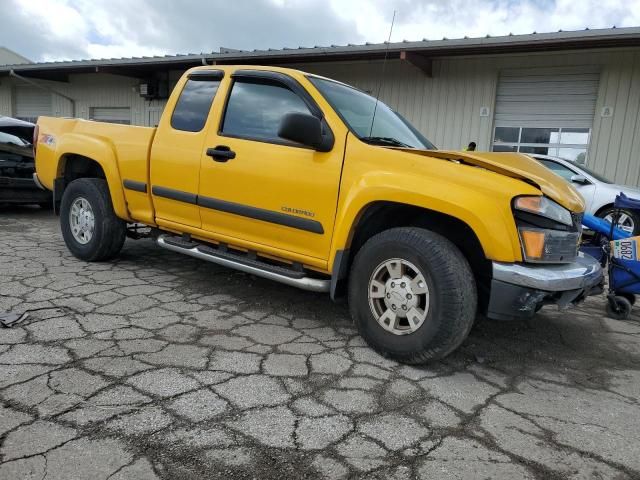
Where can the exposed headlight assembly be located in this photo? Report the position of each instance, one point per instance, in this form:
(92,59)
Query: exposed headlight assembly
(545,207)
(546,245)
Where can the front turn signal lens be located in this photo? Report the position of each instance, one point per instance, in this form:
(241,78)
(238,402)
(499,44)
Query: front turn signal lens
(548,246)
(532,243)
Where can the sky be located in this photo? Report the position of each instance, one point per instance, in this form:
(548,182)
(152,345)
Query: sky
(47,30)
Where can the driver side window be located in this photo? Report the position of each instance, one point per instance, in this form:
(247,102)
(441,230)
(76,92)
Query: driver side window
(255,109)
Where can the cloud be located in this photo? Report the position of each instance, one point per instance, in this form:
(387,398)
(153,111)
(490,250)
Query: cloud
(72,29)
(435,19)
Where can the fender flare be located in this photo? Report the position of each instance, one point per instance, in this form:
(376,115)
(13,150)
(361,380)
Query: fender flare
(482,202)
(343,255)
(104,154)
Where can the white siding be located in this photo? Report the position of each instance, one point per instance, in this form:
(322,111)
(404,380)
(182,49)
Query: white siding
(153,116)
(103,91)
(6,97)
(615,148)
(89,91)
(111,114)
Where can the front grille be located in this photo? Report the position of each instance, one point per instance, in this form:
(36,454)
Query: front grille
(561,246)
(577,220)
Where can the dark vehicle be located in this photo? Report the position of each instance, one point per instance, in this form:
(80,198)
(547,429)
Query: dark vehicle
(17,184)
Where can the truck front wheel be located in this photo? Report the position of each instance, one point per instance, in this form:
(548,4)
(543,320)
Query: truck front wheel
(90,227)
(412,295)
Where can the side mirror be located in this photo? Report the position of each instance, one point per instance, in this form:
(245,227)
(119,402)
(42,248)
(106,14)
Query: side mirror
(302,128)
(579,179)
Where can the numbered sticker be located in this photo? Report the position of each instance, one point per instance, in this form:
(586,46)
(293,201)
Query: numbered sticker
(626,249)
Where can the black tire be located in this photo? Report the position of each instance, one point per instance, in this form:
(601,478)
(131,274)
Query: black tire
(109,231)
(629,296)
(618,308)
(452,294)
(633,215)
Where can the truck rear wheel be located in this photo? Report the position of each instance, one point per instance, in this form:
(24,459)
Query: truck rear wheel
(90,227)
(412,295)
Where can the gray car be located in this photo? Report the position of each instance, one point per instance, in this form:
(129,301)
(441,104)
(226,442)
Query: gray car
(17,165)
(598,192)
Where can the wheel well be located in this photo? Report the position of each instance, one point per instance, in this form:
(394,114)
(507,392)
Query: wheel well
(381,216)
(603,208)
(71,168)
(78,166)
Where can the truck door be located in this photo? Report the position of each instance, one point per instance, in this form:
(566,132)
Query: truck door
(267,191)
(177,148)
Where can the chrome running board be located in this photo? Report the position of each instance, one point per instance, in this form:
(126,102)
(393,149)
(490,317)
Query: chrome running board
(255,267)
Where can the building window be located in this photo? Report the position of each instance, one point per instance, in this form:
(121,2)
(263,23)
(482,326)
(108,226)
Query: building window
(569,143)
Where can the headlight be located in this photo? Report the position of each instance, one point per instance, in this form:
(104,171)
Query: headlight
(545,207)
(544,245)
(546,229)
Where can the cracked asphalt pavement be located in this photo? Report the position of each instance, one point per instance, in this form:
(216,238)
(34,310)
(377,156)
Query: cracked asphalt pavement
(157,365)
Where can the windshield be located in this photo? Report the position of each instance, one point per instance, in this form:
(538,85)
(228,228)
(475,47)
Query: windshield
(12,145)
(357,108)
(595,175)
(9,138)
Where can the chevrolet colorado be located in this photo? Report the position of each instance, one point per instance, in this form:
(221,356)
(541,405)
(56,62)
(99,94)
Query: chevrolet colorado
(315,184)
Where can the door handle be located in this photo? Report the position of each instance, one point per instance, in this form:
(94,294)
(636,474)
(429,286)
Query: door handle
(221,153)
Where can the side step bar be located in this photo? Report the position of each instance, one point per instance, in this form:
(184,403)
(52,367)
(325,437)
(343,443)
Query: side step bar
(293,278)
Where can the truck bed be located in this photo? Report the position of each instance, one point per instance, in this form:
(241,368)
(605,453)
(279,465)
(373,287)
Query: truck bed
(127,145)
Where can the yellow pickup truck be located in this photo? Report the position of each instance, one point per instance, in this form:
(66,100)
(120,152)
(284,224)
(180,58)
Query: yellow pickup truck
(310,182)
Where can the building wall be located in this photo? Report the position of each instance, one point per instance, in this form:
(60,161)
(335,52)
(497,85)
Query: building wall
(6,107)
(445,107)
(88,90)
(615,147)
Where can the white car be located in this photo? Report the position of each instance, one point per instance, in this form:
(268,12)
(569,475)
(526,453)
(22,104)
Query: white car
(598,192)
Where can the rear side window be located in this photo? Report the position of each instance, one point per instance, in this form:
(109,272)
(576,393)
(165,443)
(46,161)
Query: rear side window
(194,104)
(558,169)
(255,110)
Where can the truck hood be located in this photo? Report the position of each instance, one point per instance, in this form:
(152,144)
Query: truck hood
(516,165)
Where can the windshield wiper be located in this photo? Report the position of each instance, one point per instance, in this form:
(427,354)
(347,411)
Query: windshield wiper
(385,141)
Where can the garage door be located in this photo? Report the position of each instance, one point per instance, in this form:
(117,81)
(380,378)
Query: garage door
(32,102)
(111,114)
(548,111)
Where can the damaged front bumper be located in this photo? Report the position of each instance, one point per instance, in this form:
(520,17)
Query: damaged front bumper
(518,290)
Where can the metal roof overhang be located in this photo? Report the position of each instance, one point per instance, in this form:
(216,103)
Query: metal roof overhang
(418,53)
